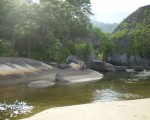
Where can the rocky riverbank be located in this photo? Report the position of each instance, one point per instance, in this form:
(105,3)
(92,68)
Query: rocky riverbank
(40,75)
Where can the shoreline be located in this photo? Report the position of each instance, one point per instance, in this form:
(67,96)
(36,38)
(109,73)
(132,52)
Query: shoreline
(116,110)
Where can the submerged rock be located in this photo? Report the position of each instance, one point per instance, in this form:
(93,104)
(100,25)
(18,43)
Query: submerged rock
(41,84)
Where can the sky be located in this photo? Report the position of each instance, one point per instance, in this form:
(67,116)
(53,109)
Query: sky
(114,11)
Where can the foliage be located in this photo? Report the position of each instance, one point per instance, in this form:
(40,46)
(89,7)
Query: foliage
(132,35)
(140,38)
(83,50)
(106,44)
(6,48)
(47,30)
(125,24)
(54,29)
(119,35)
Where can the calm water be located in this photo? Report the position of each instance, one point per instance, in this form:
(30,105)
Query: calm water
(20,101)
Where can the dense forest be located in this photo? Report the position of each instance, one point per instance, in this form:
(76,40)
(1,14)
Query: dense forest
(48,30)
(51,30)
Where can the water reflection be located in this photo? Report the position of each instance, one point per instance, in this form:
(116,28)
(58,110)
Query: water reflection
(105,95)
(137,76)
(9,111)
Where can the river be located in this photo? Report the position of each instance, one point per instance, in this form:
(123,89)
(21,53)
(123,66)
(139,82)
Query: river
(20,101)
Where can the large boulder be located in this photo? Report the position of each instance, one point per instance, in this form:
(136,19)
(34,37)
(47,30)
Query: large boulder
(15,70)
(124,60)
(74,59)
(102,66)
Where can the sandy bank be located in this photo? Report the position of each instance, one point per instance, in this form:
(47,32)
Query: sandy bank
(118,110)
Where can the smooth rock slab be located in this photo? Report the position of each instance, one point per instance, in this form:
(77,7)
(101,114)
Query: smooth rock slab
(66,76)
(16,70)
(41,84)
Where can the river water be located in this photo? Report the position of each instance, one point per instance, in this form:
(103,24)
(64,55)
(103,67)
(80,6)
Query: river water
(20,101)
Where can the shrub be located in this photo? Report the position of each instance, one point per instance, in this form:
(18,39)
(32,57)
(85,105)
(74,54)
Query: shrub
(83,50)
(6,48)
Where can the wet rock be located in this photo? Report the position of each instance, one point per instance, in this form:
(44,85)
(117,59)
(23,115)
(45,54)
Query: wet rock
(102,66)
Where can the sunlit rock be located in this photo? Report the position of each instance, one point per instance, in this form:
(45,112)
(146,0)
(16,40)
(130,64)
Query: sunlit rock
(75,62)
(14,70)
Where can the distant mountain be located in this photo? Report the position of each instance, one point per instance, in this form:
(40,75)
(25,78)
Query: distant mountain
(110,17)
(105,27)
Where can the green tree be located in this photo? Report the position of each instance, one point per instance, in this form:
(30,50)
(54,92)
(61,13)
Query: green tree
(83,50)
(106,44)
(47,30)
(6,48)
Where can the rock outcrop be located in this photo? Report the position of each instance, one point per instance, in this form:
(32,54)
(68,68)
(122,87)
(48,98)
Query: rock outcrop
(132,39)
(22,70)
(37,74)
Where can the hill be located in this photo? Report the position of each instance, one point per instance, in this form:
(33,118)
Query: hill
(140,16)
(105,27)
(132,38)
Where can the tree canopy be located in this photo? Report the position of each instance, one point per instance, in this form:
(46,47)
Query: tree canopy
(45,30)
